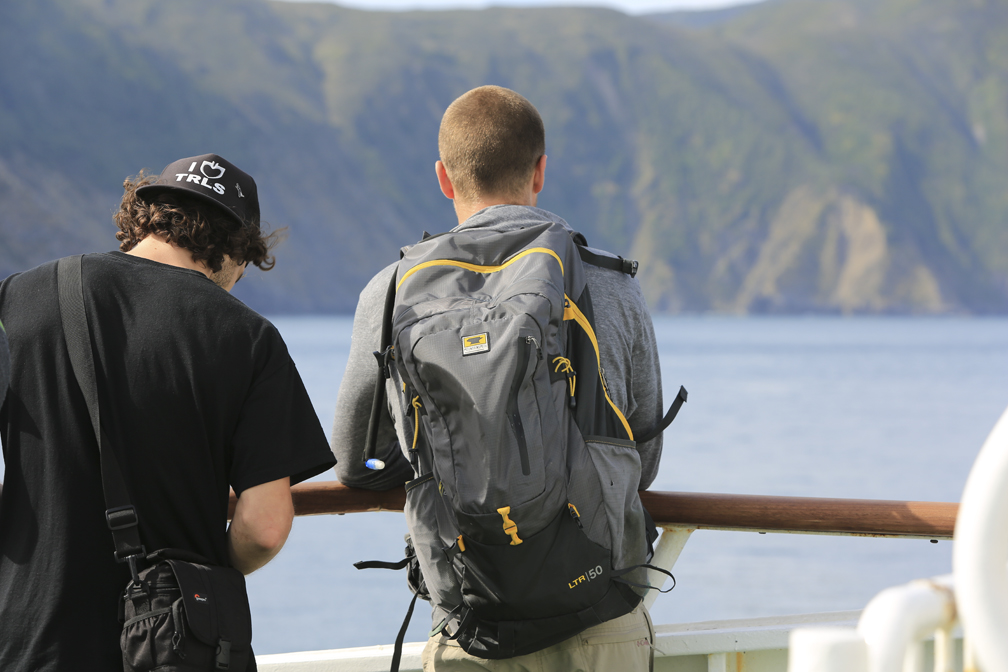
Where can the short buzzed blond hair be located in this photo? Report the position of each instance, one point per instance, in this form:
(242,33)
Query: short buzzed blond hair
(490,141)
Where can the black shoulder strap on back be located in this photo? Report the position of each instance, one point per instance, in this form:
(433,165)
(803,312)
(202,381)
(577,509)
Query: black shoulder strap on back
(628,266)
(120,515)
(383,356)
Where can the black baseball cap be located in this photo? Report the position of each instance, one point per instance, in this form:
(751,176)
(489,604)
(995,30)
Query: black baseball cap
(212,179)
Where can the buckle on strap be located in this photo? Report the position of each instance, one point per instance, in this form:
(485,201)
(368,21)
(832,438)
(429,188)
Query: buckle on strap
(121,517)
(384,357)
(629,266)
(223,658)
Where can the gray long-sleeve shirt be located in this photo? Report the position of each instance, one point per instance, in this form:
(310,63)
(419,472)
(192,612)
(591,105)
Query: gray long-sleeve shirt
(627,347)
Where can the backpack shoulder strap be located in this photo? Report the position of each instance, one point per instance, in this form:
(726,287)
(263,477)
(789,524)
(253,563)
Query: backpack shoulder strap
(629,267)
(383,356)
(120,515)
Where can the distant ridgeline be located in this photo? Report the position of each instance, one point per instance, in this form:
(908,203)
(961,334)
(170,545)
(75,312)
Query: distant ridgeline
(792,156)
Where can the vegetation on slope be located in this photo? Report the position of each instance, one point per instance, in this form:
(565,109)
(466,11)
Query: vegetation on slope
(801,155)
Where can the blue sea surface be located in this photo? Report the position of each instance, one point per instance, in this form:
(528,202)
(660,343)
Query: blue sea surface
(878,408)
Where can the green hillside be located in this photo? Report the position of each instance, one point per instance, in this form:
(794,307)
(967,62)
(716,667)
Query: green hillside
(801,155)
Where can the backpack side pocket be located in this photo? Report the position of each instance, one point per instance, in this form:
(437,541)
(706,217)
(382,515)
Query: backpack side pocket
(618,465)
(432,529)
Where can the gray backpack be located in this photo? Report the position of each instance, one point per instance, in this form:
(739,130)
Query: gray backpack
(524,513)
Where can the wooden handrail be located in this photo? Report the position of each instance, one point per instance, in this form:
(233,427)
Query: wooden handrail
(863,517)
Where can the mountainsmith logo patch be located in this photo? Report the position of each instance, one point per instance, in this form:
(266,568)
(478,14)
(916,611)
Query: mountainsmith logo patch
(477,343)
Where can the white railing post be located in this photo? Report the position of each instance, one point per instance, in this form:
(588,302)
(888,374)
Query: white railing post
(981,551)
(969,660)
(717,662)
(898,619)
(944,650)
(889,634)
(913,657)
(670,545)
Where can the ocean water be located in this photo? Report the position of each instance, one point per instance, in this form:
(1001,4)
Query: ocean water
(880,408)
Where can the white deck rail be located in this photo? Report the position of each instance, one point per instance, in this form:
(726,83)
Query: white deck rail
(889,634)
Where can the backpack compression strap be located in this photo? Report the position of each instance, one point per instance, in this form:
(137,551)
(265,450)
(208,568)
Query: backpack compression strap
(673,411)
(628,266)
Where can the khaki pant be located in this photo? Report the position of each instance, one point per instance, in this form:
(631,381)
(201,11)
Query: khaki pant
(623,644)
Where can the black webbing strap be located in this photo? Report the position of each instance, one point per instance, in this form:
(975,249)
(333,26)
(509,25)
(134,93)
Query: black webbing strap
(618,574)
(467,617)
(120,515)
(381,564)
(673,411)
(383,355)
(401,637)
(628,266)
(443,625)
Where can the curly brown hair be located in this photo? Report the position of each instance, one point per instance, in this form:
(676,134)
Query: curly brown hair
(208,233)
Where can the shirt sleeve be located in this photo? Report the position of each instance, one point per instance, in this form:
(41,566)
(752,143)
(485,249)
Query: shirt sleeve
(356,394)
(646,388)
(278,433)
(629,354)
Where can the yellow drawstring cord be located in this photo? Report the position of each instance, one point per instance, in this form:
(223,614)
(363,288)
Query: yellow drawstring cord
(564,365)
(416,419)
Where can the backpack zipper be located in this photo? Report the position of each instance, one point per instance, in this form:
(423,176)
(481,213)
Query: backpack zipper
(514,417)
(531,339)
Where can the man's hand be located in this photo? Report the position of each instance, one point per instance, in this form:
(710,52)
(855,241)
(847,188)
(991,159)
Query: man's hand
(262,520)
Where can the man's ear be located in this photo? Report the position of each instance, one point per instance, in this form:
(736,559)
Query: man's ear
(539,175)
(442,176)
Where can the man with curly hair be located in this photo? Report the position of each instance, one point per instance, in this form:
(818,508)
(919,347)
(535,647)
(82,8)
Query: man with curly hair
(4,374)
(4,364)
(197,395)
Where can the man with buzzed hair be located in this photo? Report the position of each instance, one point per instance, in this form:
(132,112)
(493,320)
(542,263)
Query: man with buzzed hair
(492,167)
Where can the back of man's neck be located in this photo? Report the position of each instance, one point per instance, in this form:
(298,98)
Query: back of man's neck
(157,249)
(465,210)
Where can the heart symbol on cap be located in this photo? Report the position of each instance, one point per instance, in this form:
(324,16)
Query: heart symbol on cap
(213,167)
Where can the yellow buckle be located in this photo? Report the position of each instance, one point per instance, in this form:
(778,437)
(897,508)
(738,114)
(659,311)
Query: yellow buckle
(510,528)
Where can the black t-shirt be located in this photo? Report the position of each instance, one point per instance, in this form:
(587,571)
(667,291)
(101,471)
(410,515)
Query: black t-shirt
(4,365)
(196,391)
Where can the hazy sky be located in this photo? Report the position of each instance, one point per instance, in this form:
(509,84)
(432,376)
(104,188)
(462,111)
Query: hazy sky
(628,6)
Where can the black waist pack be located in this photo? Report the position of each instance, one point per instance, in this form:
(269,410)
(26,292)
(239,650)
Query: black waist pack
(185,614)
